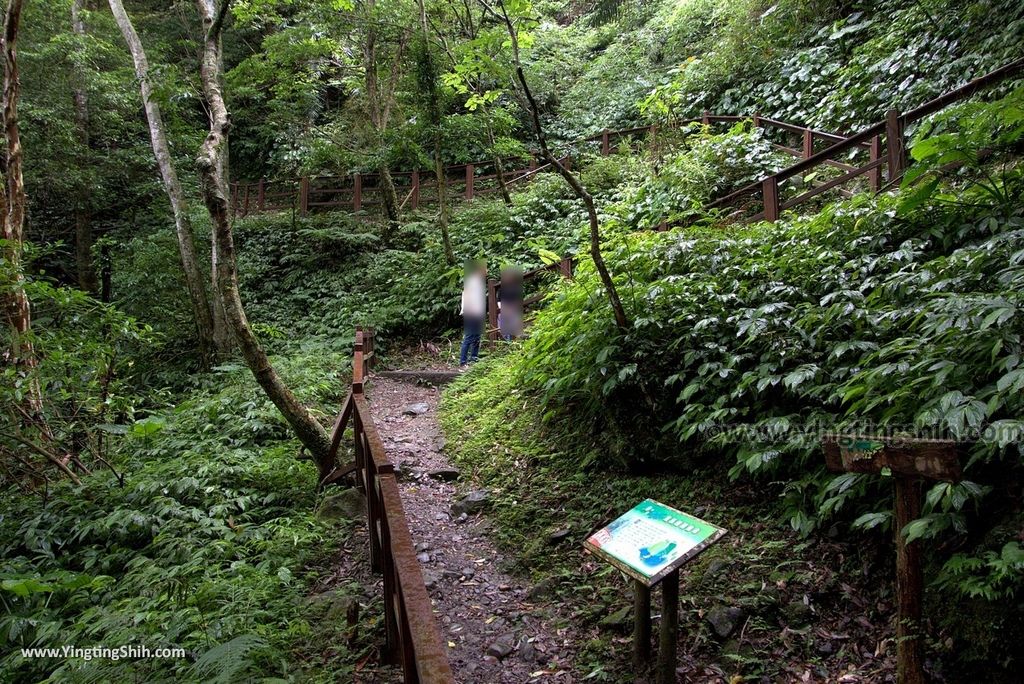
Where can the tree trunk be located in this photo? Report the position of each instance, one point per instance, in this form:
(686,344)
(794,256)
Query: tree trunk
(212,166)
(378,119)
(391,212)
(435,121)
(12,203)
(83,218)
(621,320)
(194,280)
(499,168)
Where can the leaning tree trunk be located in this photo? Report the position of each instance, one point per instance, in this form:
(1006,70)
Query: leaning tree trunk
(83,218)
(212,169)
(194,280)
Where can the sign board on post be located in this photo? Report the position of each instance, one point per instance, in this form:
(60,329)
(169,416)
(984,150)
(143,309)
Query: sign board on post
(650,542)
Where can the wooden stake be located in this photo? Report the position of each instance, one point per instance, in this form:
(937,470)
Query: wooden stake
(909,668)
(669,632)
(641,626)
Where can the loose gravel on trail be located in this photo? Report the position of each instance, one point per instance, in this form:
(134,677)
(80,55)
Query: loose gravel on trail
(494,632)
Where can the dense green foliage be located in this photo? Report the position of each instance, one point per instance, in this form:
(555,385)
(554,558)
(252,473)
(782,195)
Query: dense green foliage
(194,526)
(204,540)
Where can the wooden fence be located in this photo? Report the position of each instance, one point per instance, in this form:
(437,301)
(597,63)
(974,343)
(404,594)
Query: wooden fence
(886,144)
(412,637)
(563,268)
(359,191)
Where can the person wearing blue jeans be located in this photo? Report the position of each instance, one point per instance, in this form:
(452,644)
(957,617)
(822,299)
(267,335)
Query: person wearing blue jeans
(474,310)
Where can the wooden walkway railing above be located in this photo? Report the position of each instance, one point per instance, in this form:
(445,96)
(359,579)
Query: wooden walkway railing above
(866,153)
(412,637)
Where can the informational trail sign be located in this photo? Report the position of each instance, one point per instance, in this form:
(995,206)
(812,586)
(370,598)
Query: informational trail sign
(651,540)
(649,543)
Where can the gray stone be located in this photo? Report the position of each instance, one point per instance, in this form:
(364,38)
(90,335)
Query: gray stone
(348,504)
(502,646)
(445,474)
(430,580)
(558,536)
(423,557)
(423,546)
(545,587)
(724,619)
(797,613)
(715,567)
(468,572)
(617,620)
(474,502)
(415,409)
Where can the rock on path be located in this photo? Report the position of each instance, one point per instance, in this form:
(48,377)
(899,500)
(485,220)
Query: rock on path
(494,631)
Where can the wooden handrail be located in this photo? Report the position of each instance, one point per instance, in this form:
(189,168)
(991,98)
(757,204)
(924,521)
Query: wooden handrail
(892,127)
(412,637)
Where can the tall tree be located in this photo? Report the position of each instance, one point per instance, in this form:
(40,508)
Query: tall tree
(523,9)
(80,96)
(379,102)
(12,201)
(202,311)
(427,81)
(213,168)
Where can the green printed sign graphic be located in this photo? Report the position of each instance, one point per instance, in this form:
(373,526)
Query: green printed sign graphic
(651,540)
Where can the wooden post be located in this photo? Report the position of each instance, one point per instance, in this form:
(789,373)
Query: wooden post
(909,583)
(533,163)
(415,189)
(894,144)
(304,196)
(566,268)
(641,626)
(492,310)
(875,175)
(261,201)
(757,120)
(470,175)
(808,143)
(706,118)
(770,191)
(357,192)
(908,461)
(357,363)
(669,633)
(606,145)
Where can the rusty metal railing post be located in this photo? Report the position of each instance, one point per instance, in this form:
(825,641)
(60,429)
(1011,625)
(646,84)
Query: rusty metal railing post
(470,177)
(808,143)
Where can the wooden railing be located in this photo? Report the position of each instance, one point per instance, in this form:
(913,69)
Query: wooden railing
(563,267)
(412,637)
(358,191)
(886,145)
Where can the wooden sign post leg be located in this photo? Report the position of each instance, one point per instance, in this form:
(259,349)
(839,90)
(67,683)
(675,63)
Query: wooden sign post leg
(641,625)
(669,632)
(907,507)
